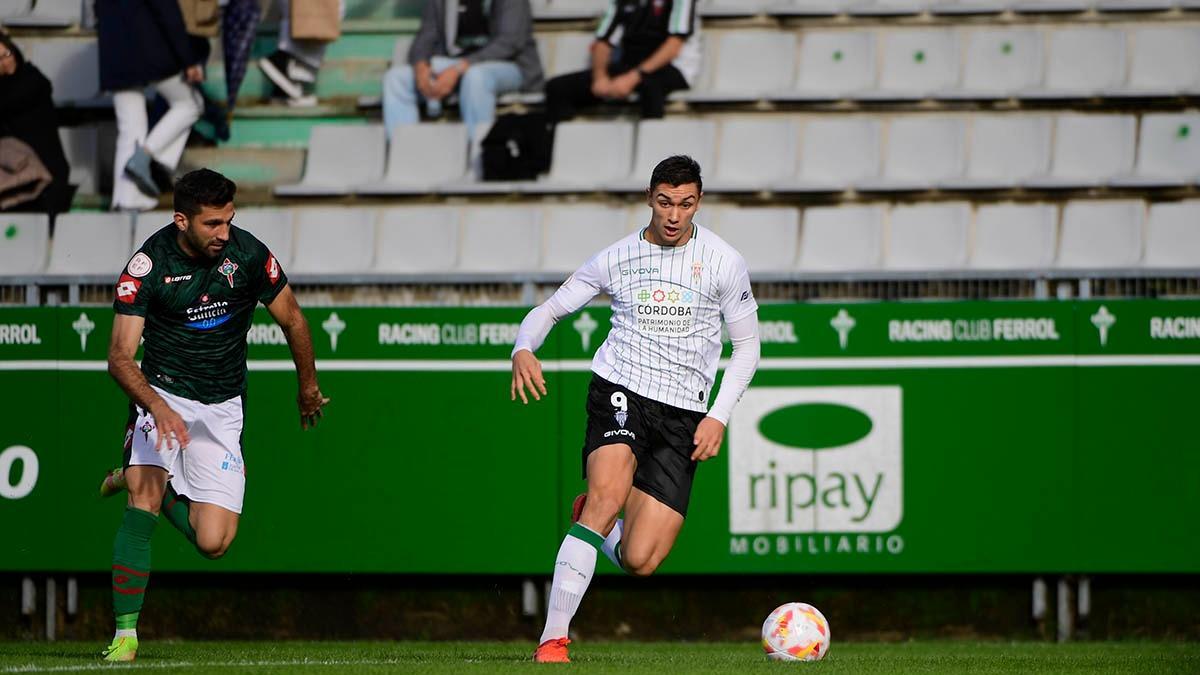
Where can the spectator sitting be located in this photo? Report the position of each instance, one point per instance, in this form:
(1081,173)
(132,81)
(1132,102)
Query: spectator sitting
(656,54)
(482,48)
(144,43)
(292,68)
(27,114)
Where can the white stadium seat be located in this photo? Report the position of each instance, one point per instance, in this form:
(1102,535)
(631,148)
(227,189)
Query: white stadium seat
(572,52)
(90,243)
(1134,5)
(1173,235)
(659,139)
(768,238)
(420,157)
(146,224)
(49,14)
(1082,62)
(1015,236)
(82,149)
(750,65)
(1168,151)
(753,154)
(1005,150)
(917,64)
(809,7)
(1044,6)
(836,152)
(568,9)
(833,65)
(11,8)
(1089,150)
(1101,234)
(340,157)
(1165,62)
(572,234)
(888,7)
(274,227)
(970,6)
(500,239)
(71,64)
(417,239)
(1001,63)
(842,239)
(587,154)
(24,240)
(731,8)
(334,240)
(922,151)
(929,237)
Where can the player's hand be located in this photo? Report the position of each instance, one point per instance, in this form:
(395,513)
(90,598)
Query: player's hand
(194,74)
(171,428)
(310,401)
(602,88)
(445,82)
(623,85)
(527,372)
(709,434)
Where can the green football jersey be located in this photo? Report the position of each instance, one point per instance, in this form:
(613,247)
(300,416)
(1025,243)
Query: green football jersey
(198,311)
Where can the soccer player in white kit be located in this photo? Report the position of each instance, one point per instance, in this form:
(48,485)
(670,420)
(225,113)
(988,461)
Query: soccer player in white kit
(672,284)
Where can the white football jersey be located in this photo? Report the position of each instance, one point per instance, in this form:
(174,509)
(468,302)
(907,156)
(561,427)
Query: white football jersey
(668,303)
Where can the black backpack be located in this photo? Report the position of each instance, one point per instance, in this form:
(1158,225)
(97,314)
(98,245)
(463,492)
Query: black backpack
(517,147)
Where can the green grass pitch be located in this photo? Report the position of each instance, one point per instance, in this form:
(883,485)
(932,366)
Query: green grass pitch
(672,658)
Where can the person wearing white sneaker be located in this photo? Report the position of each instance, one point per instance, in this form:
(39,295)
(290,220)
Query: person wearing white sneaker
(294,64)
(144,43)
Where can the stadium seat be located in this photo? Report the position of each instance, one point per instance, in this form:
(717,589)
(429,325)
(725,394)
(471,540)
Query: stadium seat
(954,7)
(731,8)
(340,157)
(1015,237)
(922,151)
(752,154)
(768,238)
(587,154)
(1168,151)
(917,64)
(71,64)
(1082,62)
(786,8)
(836,152)
(1005,150)
(90,244)
(1165,62)
(834,65)
(81,147)
(334,240)
(929,237)
(420,157)
(24,239)
(1049,6)
(888,7)
(1089,150)
(750,65)
(274,227)
(842,239)
(419,239)
(146,224)
(1101,234)
(659,139)
(1134,5)
(568,9)
(572,234)
(48,14)
(1001,63)
(500,239)
(572,52)
(1173,235)
(12,8)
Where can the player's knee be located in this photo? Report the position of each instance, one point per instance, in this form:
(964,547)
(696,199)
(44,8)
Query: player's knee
(640,563)
(212,545)
(602,506)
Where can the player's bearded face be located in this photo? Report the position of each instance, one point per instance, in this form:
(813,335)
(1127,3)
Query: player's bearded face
(207,232)
(673,207)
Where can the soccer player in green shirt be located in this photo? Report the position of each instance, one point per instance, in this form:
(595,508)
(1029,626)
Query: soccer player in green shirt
(190,292)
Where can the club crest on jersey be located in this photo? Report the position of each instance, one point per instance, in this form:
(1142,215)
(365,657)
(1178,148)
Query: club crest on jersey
(146,429)
(227,269)
(621,417)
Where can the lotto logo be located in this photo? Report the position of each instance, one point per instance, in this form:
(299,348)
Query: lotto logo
(127,288)
(272,268)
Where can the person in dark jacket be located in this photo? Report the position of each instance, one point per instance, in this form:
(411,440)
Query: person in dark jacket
(480,48)
(27,113)
(145,43)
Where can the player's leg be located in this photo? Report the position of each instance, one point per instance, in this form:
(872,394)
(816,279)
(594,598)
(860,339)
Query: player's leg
(215,527)
(131,556)
(610,476)
(650,529)
(205,497)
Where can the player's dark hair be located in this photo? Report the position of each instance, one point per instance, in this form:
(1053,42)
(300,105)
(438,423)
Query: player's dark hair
(675,171)
(200,188)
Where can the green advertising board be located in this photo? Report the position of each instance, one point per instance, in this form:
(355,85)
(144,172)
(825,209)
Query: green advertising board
(878,437)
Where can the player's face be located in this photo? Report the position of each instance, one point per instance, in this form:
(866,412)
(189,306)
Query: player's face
(673,207)
(207,232)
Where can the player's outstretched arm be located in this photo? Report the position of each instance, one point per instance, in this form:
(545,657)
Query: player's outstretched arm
(286,312)
(122,349)
(743,363)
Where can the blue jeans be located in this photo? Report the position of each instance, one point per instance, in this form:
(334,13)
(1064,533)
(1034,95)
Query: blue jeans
(477,91)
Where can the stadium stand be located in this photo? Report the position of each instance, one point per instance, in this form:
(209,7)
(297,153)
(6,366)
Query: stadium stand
(334,240)
(837,152)
(497,239)
(921,152)
(89,244)
(661,138)
(1014,237)
(1089,150)
(340,157)
(1005,150)
(421,157)
(417,240)
(833,65)
(768,238)
(928,237)
(23,246)
(750,65)
(146,224)
(1173,235)
(752,153)
(587,154)
(45,14)
(571,234)
(1000,63)
(1098,234)
(1168,152)
(844,239)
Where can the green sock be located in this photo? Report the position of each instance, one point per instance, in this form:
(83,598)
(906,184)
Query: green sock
(175,510)
(131,564)
(127,621)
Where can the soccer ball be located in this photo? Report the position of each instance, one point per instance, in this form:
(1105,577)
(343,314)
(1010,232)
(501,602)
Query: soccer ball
(795,632)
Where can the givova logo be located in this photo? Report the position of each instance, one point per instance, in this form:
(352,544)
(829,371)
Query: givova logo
(816,459)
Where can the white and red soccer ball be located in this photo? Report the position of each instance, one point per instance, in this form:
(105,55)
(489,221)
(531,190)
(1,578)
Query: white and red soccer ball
(795,632)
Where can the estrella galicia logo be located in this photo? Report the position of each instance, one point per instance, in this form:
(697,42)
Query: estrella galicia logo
(621,417)
(816,459)
(208,313)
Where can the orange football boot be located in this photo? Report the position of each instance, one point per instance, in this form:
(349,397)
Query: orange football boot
(552,651)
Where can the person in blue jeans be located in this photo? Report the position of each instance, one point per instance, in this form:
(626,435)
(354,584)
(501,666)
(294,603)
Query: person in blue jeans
(478,48)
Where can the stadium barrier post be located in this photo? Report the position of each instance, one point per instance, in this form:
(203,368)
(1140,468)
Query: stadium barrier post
(1066,623)
(51,608)
(28,597)
(1083,603)
(529,598)
(1039,606)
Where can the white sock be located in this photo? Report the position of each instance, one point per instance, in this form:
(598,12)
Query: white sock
(612,542)
(126,632)
(573,570)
